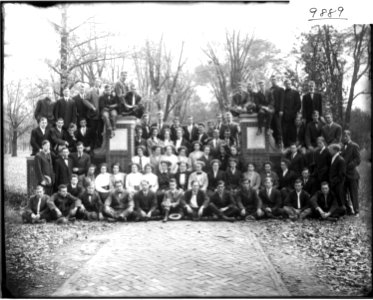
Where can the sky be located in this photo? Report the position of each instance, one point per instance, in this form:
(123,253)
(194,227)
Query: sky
(195,24)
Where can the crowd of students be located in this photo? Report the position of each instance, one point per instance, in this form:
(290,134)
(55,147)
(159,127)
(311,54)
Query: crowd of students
(193,170)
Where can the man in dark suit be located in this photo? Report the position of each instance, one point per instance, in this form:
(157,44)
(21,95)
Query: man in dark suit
(215,144)
(233,127)
(164,177)
(180,141)
(286,179)
(202,137)
(38,135)
(182,176)
(190,130)
(45,107)
(239,100)
(109,106)
(63,204)
(94,120)
(325,205)
(146,205)
(58,136)
(296,160)
(309,183)
(175,127)
(81,105)
(278,95)
(63,168)
(291,107)
(331,131)
(81,161)
(337,176)
(233,176)
(139,140)
(222,204)
(44,168)
(65,108)
(270,200)
(313,131)
(298,133)
(86,136)
(37,210)
(248,202)
(92,204)
(311,101)
(195,201)
(351,155)
(160,125)
(265,108)
(214,176)
(322,162)
(297,202)
(145,126)
(132,105)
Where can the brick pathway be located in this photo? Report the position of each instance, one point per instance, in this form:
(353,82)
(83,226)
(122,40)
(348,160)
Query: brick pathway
(176,259)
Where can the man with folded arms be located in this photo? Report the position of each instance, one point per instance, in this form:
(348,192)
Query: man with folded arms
(145,202)
(222,204)
(195,201)
(172,200)
(119,205)
(248,201)
(37,210)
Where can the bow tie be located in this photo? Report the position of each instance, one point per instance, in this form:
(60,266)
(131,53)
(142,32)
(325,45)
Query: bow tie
(199,173)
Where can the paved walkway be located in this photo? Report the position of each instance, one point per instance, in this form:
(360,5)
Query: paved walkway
(176,259)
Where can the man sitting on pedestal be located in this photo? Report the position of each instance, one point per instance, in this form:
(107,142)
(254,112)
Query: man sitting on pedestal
(37,210)
(265,109)
(108,104)
(132,106)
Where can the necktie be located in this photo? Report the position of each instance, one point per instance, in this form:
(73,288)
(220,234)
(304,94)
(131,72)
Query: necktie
(66,162)
(83,131)
(298,196)
(133,100)
(38,208)
(140,163)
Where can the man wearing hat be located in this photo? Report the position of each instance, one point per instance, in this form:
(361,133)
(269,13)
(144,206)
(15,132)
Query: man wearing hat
(44,168)
(195,201)
(248,202)
(214,176)
(164,177)
(140,158)
(171,203)
(199,176)
(119,205)
(145,202)
(222,204)
(233,175)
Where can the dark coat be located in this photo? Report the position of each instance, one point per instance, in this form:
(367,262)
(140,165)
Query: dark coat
(32,205)
(351,155)
(202,198)
(318,200)
(292,200)
(337,172)
(273,201)
(45,108)
(82,163)
(278,95)
(233,181)
(332,134)
(63,172)
(297,135)
(146,203)
(66,110)
(313,131)
(310,186)
(81,107)
(322,165)
(203,139)
(86,139)
(288,180)
(185,185)
(105,101)
(190,136)
(64,204)
(224,201)
(92,202)
(43,167)
(57,138)
(292,105)
(213,181)
(248,199)
(309,105)
(77,192)
(164,180)
(297,163)
(37,137)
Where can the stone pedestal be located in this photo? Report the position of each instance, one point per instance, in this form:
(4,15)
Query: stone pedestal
(31,178)
(121,147)
(256,148)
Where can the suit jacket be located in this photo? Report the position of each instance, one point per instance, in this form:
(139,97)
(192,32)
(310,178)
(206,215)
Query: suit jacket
(82,163)
(185,143)
(351,155)
(337,171)
(173,132)
(292,105)
(57,138)
(248,199)
(233,181)
(203,139)
(92,101)
(37,137)
(64,204)
(240,99)
(32,205)
(66,110)
(273,201)
(119,200)
(310,186)
(192,135)
(263,99)
(72,140)
(63,172)
(274,177)
(86,139)
(297,135)
(128,98)
(296,163)
(292,200)
(92,202)
(202,198)
(223,201)
(309,105)
(145,202)
(288,180)
(183,186)
(326,204)
(213,181)
(81,107)
(322,165)
(278,95)
(44,108)
(202,179)
(164,180)
(77,192)
(105,101)
(145,130)
(215,151)
(332,134)
(313,131)
(43,167)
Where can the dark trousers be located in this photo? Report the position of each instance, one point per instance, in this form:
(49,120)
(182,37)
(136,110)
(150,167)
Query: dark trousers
(232,211)
(140,214)
(339,212)
(338,191)
(351,188)
(275,213)
(277,127)
(136,111)
(288,132)
(45,214)
(264,119)
(96,131)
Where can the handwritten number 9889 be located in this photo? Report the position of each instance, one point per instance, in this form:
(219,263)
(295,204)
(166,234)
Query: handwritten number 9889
(325,13)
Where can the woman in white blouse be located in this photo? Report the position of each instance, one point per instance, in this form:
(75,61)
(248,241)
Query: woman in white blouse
(103,182)
(170,157)
(117,175)
(150,177)
(254,177)
(133,179)
(183,157)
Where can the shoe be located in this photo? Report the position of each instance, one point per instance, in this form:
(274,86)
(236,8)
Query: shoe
(122,219)
(111,220)
(72,219)
(229,219)
(250,218)
(164,220)
(42,221)
(331,219)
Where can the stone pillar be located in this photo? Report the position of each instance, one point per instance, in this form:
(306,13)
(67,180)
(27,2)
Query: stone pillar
(121,147)
(31,178)
(256,148)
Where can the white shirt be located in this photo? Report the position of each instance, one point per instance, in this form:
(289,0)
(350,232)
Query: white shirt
(133,181)
(144,160)
(102,180)
(178,143)
(193,201)
(182,178)
(42,130)
(118,177)
(284,172)
(334,157)
(269,191)
(153,181)
(322,149)
(298,199)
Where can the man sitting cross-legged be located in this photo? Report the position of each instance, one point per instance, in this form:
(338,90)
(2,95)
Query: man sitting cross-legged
(297,202)
(145,202)
(119,205)
(270,199)
(325,205)
(171,203)
(63,205)
(222,204)
(37,210)
(91,205)
(195,201)
(248,201)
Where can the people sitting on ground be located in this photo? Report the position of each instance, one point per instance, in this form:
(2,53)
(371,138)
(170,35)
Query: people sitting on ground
(108,104)
(172,200)
(195,201)
(270,199)
(91,205)
(37,211)
(119,205)
(164,177)
(248,201)
(297,203)
(253,177)
(150,177)
(117,174)
(103,183)
(199,176)
(145,202)
(222,204)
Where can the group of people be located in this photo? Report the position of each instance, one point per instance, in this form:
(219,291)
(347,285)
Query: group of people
(193,170)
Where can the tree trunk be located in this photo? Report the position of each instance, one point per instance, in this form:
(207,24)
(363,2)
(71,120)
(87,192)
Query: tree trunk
(14,143)
(64,45)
